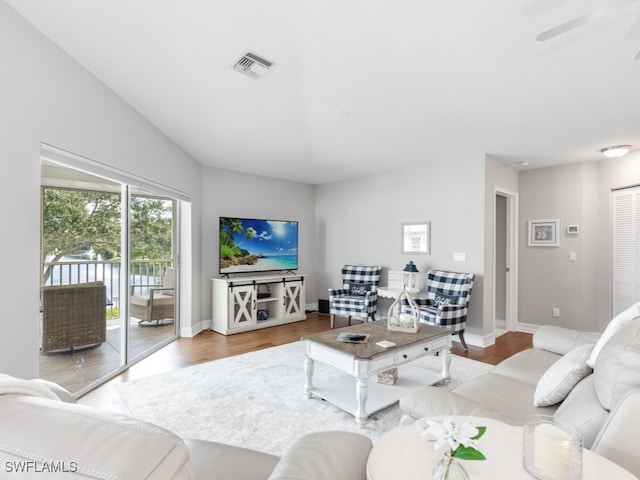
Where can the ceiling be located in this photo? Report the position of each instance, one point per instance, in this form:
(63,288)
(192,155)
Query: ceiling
(360,87)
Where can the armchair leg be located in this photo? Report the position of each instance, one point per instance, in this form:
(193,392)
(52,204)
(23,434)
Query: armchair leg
(349,320)
(333,319)
(462,341)
(373,317)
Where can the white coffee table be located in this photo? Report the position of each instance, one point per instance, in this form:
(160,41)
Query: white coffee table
(358,392)
(404,453)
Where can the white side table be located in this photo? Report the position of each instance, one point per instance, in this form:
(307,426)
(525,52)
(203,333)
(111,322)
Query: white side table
(386,292)
(404,453)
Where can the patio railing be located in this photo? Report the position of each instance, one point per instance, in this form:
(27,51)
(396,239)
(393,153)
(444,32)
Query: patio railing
(143,275)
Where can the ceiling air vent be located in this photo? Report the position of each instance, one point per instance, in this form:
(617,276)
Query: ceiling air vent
(252,65)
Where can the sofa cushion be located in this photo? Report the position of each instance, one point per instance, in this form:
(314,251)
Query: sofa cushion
(560,378)
(81,442)
(330,455)
(526,366)
(617,368)
(583,410)
(615,325)
(218,460)
(562,340)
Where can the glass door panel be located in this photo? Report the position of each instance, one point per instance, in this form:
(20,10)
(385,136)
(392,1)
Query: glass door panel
(80,324)
(153,275)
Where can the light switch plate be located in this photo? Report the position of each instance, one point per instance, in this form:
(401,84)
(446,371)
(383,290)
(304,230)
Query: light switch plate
(459,257)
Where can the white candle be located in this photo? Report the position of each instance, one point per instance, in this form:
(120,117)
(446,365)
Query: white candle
(551,452)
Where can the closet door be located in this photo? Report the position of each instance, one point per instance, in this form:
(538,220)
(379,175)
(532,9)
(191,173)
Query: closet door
(626,248)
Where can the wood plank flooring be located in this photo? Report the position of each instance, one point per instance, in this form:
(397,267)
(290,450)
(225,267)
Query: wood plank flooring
(209,345)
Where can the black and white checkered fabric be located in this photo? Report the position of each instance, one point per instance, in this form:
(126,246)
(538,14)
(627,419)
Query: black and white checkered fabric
(455,288)
(341,303)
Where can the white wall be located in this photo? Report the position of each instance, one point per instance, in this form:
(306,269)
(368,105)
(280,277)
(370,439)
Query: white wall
(47,97)
(234,194)
(359,222)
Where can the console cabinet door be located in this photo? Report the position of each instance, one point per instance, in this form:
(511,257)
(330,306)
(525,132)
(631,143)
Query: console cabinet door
(242,306)
(294,301)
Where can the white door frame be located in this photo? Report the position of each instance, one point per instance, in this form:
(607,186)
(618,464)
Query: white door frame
(511,308)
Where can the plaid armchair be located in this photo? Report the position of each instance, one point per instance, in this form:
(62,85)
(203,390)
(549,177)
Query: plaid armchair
(358,296)
(447,302)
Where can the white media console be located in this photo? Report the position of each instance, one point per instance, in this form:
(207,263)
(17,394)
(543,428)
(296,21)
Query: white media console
(241,304)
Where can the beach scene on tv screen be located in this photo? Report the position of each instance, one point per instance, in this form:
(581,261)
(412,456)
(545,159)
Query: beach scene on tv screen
(248,245)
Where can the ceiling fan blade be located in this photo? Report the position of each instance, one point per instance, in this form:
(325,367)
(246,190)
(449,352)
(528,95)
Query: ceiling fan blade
(582,19)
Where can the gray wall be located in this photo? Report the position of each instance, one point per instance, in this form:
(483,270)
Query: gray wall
(47,97)
(227,193)
(577,194)
(359,222)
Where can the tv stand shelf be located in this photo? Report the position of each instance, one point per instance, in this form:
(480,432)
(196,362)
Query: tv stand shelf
(238,307)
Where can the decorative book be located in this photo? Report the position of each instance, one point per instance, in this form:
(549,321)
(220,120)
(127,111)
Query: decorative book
(353,337)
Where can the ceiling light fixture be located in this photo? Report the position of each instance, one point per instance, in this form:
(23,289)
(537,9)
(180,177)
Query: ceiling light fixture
(616,151)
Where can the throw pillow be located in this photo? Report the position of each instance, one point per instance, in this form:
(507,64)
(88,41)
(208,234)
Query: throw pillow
(560,378)
(359,289)
(445,299)
(619,321)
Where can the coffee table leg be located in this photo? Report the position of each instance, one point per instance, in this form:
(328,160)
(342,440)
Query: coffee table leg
(446,362)
(362,390)
(308,368)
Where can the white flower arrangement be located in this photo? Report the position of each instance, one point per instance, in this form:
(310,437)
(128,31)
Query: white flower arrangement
(462,438)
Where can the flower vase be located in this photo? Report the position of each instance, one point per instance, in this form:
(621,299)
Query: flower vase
(449,468)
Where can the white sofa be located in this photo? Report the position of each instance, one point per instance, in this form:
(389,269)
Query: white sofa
(599,374)
(45,434)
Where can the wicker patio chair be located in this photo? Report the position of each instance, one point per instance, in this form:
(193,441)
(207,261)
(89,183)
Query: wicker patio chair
(159,304)
(73,316)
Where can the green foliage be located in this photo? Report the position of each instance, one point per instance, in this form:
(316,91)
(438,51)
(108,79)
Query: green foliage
(79,220)
(470,453)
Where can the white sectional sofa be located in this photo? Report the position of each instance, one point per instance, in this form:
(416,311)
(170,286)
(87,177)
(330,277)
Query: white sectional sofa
(44,434)
(589,380)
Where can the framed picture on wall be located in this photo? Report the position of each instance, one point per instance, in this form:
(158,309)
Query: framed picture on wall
(416,237)
(544,233)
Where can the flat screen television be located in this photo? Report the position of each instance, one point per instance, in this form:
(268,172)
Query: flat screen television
(250,245)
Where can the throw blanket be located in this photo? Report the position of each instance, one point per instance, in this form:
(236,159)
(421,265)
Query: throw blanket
(11,385)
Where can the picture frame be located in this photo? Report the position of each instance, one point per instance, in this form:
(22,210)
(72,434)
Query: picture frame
(544,233)
(416,238)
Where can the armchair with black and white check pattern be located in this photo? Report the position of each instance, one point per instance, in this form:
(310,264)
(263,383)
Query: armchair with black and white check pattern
(447,302)
(358,296)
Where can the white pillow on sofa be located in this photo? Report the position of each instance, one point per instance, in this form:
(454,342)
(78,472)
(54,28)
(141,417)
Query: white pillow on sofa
(617,323)
(560,378)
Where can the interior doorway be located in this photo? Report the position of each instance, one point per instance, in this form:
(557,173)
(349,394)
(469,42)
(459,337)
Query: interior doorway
(505,254)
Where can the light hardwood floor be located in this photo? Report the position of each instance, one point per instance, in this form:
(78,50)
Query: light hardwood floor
(209,345)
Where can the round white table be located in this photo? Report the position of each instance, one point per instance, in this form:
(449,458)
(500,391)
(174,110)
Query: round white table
(404,453)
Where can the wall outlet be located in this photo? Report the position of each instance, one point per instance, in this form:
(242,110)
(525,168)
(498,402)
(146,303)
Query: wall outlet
(556,313)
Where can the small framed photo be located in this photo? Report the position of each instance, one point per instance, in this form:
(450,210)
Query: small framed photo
(572,229)
(544,233)
(416,237)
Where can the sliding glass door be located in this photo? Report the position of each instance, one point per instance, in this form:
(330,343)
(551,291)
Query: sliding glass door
(109,288)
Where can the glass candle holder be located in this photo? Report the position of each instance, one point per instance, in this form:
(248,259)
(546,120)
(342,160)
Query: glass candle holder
(552,449)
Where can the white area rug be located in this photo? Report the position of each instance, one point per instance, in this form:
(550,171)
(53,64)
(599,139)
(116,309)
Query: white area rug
(256,400)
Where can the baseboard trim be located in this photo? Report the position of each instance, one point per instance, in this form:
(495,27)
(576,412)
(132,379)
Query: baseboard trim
(194,330)
(528,327)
